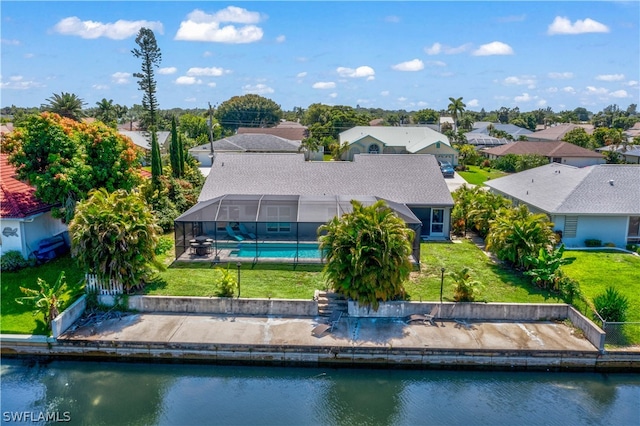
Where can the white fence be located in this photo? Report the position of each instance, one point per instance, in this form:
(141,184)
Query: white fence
(112,287)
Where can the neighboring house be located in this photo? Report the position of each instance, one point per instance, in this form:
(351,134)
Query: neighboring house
(629,154)
(284,197)
(600,202)
(24,220)
(511,129)
(633,132)
(285,129)
(398,140)
(244,143)
(557,132)
(142,139)
(556,152)
(480,140)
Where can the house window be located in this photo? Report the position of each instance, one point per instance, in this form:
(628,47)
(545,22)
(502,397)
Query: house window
(633,236)
(437,221)
(276,219)
(374,149)
(570,226)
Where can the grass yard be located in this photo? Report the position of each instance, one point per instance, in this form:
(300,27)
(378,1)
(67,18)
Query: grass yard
(19,319)
(476,175)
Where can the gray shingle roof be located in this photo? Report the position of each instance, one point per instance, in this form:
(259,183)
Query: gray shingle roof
(143,139)
(512,129)
(408,179)
(547,149)
(251,143)
(610,189)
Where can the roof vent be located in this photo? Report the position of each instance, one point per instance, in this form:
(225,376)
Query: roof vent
(611,182)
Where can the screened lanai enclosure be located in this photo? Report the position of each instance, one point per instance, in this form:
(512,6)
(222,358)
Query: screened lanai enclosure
(268,228)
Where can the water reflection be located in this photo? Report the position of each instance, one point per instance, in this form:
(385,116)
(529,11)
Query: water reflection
(118,394)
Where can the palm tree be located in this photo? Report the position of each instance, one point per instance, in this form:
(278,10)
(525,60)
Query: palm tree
(456,108)
(106,111)
(367,253)
(65,104)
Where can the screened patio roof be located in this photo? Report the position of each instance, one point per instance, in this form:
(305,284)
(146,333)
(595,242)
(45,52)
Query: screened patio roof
(290,208)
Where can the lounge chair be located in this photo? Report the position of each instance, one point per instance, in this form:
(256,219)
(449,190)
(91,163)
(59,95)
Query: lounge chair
(424,318)
(232,234)
(320,329)
(245,231)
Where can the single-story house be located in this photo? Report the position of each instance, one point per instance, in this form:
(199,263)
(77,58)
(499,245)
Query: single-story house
(244,143)
(481,140)
(600,202)
(511,129)
(398,140)
(282,197)
(285,129)
(630,153)
(142,139)
(24,220)
(557,132)
(556,152)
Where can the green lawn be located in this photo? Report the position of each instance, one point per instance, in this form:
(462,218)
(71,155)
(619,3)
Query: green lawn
(596,270)
(476,175)
(19,319)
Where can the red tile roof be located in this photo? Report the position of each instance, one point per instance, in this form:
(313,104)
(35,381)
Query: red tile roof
(17,199)
(547,149)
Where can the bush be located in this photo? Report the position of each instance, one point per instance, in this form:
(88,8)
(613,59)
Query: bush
(486,164)
(609,245)
(164,245)
(592,243)
(13,261)
(611,305)
(632,247)
(464,288)
(226,283)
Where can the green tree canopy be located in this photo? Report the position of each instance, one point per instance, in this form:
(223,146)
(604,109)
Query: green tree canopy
(367,253)
(65,104)
(64,159)
(114,235)
(248,111)
(426,116)
(578,136)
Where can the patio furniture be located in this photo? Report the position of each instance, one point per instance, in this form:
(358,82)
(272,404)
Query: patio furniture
(320,329)
(424,318)
(233,234)
(245,231)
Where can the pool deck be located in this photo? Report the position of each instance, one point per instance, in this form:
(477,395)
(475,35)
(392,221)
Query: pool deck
(224,254)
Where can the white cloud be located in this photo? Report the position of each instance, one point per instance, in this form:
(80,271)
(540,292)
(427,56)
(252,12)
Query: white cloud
(120,77)
(167,70)
(619,94)
(525,80)
(333,95)
(560,75)
(10,42)
(437,48)
(100,87)
(525,97)
(118,30)
(18,82)
(402,99)
(281,39)
(384,93)
(631,83)
(187,80)
(324,85)
(257,89)
(301,74)
(541,103)
(493,48)
(473,103)
(28,55)
(413,65)
(208,72)
(610,77)
(212,84)
(201,26)
(596,90)
(392,18)
(569,89)
(360,72)
(562,25)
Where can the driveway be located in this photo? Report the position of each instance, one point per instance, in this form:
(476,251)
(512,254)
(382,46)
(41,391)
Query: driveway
(455,182)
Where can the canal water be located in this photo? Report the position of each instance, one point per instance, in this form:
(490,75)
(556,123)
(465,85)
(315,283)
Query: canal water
(96,393)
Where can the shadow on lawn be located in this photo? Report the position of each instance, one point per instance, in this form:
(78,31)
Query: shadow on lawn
(509,276)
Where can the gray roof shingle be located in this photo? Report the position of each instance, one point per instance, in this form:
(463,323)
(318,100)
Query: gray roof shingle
(408,179)
(609,189)
(251,143)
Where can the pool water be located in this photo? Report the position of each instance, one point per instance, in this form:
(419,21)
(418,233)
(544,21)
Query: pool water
(278,250)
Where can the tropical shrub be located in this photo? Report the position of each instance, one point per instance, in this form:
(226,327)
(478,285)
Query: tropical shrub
(545,269)
(611,305)
(464,288)
(12,261)
(114,235)
(226,282)
(47,299)
(367,253)
(164,245)
(592,243)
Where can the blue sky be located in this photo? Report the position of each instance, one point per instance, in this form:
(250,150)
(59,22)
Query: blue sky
(390,55)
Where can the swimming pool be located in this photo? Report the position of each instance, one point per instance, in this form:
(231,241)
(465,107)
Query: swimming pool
(277,250)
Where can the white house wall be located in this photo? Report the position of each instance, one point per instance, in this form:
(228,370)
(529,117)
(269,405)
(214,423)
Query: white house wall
(442,152)
(30,231)
(582,161)
(608,229)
